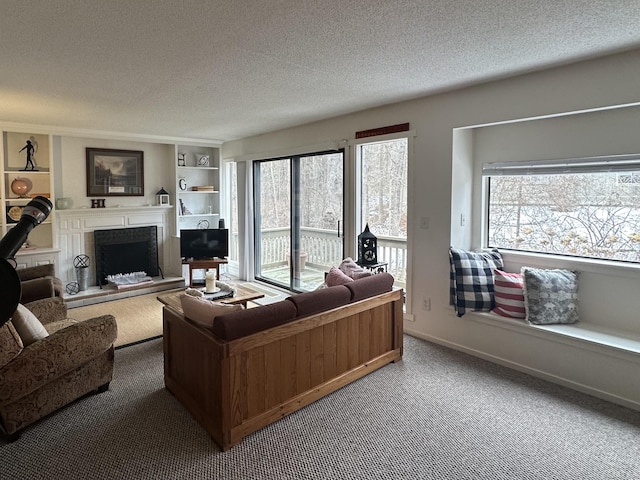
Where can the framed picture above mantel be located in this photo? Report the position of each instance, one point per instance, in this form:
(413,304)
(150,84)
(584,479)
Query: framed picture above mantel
(115,173)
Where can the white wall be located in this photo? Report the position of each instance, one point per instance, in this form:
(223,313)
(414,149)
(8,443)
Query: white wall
(592,84)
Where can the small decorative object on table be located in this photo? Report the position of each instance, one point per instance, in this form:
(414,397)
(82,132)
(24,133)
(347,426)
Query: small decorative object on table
(223,290)
(210,282)
(181,160)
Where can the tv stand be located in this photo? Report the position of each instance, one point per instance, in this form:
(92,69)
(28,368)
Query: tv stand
(203,264)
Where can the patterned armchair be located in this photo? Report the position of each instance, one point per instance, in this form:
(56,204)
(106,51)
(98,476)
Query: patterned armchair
(39,282)
(72,358)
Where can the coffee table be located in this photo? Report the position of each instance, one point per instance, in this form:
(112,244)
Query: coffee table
(243,295)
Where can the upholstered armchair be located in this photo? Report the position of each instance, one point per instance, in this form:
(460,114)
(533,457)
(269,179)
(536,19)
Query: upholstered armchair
(39,282)
(50,362)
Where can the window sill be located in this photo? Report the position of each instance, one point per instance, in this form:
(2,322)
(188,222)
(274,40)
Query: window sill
(616,343)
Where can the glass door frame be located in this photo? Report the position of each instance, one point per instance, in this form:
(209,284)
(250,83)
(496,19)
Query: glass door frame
(295,216)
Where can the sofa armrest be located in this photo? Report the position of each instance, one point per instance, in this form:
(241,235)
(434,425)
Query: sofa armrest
(36,289)
(59,353)
(48,310)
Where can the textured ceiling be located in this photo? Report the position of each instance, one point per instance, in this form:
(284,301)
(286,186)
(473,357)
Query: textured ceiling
(225,70)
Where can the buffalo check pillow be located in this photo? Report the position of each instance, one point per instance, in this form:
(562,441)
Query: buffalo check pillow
(471,279)
(508,294)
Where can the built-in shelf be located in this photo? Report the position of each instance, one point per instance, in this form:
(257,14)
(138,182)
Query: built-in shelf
(190,175)
(42,241)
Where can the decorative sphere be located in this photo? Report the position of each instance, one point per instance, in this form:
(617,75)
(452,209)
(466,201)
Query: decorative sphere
(72,288)
(20,187)
(81,261)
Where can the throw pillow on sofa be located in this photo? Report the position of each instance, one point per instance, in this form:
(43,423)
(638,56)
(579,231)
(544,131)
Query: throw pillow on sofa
(337,277)
(550,296)
(353,270)
(203,311)
(28,326)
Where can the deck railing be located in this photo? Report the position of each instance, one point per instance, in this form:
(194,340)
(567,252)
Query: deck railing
(322,249)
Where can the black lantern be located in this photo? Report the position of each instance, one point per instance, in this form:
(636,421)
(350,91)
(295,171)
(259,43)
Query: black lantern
(367,248)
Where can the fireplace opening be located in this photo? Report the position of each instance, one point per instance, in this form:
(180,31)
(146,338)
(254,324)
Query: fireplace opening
(126,250)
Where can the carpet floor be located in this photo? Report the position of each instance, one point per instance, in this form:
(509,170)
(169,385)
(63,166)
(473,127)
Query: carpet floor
(438,414)
(139,318)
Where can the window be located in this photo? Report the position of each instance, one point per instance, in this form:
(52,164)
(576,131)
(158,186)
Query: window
(587,207)
(383,175)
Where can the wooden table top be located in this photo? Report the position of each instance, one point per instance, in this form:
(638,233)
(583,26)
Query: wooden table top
(243,295)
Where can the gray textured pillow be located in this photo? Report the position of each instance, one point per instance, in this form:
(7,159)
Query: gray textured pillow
(550,296)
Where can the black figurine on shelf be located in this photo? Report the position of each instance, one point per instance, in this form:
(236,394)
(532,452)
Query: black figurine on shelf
(29,147)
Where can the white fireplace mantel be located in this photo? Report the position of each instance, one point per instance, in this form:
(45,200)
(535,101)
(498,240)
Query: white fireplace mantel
(76,227)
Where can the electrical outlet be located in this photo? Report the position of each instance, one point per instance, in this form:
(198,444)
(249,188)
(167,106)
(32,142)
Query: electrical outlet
(426,304)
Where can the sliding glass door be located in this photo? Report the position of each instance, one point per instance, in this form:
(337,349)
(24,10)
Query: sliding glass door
(298,218)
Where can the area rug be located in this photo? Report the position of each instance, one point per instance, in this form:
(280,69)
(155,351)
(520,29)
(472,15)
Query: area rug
(139,318)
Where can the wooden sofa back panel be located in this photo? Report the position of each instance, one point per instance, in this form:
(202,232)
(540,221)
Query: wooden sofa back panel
(305,323)
(200,385)
(270,373)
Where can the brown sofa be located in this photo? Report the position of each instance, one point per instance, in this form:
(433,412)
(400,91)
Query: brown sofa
(254,366)
(74,359)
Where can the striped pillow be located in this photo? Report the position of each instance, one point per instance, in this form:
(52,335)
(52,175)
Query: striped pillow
(509,294)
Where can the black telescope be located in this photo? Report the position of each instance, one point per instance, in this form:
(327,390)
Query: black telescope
(33,214)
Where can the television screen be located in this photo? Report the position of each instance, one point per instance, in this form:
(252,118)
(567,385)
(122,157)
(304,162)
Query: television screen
(207,243)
